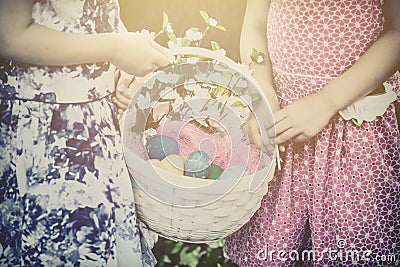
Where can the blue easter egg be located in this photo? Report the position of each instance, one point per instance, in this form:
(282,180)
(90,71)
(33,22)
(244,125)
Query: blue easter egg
(234,172)
(197,164)
(160,146)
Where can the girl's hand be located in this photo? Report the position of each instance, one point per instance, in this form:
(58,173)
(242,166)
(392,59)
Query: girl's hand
(137,54)
(302,119)
(126,87)
(254,131)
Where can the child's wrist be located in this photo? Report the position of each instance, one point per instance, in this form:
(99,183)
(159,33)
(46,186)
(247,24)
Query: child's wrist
(112,45)
(331,101)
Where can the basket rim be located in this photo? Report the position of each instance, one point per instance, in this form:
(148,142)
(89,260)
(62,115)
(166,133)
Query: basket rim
(182,179)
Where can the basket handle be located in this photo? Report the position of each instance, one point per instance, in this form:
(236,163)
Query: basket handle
(203,52)
(216,54)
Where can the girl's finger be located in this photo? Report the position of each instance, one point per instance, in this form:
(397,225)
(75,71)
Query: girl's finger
(124,81)
(133,88)
(255,136)
(281,148)
(280,127)
(160,55)
(300,138)
(117,76)
(286,136)
(123,99)
(120,105)
(161,60)
(278,116)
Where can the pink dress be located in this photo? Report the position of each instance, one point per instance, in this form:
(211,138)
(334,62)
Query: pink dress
(337,199)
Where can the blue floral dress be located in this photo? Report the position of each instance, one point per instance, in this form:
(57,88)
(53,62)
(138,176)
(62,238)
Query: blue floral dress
(65,193)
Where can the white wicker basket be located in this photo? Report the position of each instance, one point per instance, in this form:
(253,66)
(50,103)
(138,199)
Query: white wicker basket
(202,223)
(187,216)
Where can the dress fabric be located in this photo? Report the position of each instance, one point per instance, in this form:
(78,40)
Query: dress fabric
(339,191)
(65,192)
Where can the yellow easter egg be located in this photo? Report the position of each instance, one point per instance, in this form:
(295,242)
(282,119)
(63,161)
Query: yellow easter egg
(173,163)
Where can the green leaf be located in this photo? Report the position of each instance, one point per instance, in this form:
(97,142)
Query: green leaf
(238,104)
(165,21)
(220,27)
(254,55)
(262,55)
(194,29)
(166,259)
(185,41)
(356,122)
(215,46)
(177,247)
(189,258)
(255,97)
(205,16)
(227,75)
(213,245)
(213,257)
(172,37)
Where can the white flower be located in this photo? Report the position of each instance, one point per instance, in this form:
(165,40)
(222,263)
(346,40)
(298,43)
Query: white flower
(169,28)
(220,54)
(177,45)
(193,35)
(213,22)
(147,134)
(67,13)
(148,34)
(260,59)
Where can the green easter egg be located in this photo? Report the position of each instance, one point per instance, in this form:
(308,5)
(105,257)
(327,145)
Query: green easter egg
(234,172)
(215,172)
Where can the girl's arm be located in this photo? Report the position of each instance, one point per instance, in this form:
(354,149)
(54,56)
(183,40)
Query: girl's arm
(126,84)
(24,41)
(254,35)
(373,68)
(306,117)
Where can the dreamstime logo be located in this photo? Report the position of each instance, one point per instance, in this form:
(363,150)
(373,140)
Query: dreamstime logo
(340,254)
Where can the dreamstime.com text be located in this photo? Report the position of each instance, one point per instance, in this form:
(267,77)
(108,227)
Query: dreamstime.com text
(341,254)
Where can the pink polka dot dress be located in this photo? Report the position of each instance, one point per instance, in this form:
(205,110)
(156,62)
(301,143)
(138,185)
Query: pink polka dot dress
(336,201)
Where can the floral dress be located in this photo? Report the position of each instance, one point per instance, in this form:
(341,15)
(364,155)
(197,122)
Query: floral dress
(336,201)
(65,193)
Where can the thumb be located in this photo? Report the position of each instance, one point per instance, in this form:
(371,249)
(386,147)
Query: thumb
(159,48)
(161,60)
(133,87)
(124,81)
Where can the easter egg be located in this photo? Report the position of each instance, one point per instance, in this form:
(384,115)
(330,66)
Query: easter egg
(215,172)
(233,172)
(160,146)
(173,163)
(197,164)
